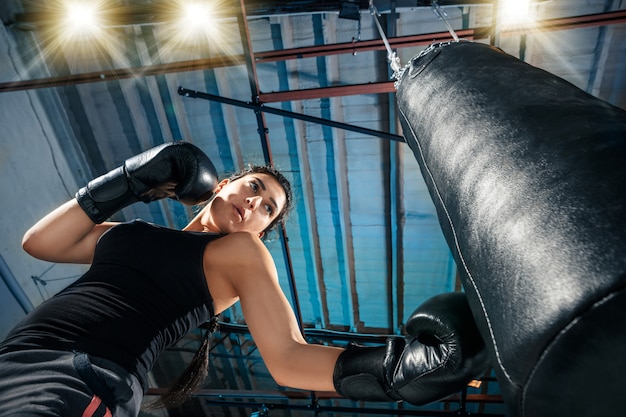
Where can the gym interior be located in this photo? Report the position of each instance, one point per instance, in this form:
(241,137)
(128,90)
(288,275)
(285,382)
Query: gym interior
(311,88)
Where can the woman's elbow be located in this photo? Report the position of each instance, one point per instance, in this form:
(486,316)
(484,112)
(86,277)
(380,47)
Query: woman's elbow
(282,377)
(301,377)
(33,245)
(29,242)
(281,371)
(292,368)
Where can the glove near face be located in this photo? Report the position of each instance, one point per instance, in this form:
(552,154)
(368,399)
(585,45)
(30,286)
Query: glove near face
(177,170)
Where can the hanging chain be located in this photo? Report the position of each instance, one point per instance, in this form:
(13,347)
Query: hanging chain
(357,38)
(392,58)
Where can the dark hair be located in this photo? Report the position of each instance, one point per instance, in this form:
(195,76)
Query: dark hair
(192,377)
(195,373)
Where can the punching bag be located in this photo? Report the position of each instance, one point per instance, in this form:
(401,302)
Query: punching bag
(528,176)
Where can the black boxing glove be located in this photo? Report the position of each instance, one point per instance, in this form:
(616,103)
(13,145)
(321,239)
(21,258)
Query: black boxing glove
(442,353)
(177,170)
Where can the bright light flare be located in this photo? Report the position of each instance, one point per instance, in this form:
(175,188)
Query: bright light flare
(515,12)
(196,15)
(197,20)
(81,14)
(82,18)
(200,28)
(79,32)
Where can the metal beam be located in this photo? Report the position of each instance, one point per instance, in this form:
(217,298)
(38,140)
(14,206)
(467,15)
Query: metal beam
(261,108)
(576,22)
(314,407)
(362,46)
(395,209)
(328,68)
(14,287)
(303,395)
(267,152)
(326,92)
(123,73)
(601,19)
(318,334)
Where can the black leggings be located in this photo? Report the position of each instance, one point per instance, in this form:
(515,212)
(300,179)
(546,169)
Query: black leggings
(47,383)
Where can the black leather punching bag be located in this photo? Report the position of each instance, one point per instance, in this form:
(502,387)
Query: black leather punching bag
(528,174)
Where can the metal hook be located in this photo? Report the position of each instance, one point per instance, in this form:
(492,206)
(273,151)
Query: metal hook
(357,39)
(441,14)
(394,61)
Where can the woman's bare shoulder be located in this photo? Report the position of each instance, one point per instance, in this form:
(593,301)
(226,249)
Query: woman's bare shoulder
(242,239)
(243,247)
(239,265)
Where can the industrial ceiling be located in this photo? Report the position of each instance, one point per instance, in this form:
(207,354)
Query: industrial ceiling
(305,86)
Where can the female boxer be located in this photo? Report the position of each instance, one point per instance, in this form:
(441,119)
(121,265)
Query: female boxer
(87,351)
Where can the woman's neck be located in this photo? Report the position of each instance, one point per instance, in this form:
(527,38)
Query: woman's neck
(200,223)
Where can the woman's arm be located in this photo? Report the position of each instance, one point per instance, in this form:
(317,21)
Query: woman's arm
(243,260)
(70,233)
(66,234)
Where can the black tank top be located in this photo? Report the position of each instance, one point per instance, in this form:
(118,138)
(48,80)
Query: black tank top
(144,291)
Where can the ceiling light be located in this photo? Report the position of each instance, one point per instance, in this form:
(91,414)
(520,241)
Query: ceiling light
(197,15)
(197,19)
(196,22)
(81,18)
(514,12)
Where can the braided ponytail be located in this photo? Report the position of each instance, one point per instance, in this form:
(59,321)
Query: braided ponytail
(192,377)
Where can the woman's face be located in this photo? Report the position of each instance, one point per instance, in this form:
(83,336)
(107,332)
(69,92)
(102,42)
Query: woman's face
(249,203)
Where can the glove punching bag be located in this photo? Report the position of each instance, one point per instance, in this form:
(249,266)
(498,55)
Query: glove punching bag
(441,354)
(527,173)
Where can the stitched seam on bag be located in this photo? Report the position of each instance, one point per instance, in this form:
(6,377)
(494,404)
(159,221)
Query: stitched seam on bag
(558,336)
(456,244)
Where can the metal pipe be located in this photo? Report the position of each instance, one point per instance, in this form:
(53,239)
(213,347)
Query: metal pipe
(260,107)
(362,46)
(327,92)
(576,22)
(601,19)
(15,288)
(267,152)
(303,395)
(324,334)
(316,408)
(123,73)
